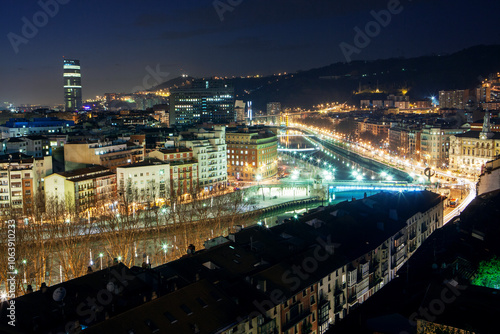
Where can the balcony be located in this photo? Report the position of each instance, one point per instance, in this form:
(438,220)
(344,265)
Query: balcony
(267,326)
(352,300)
(339,307)
(296,319)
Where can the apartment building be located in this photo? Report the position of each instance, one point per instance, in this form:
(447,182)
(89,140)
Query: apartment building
(252,154)
(299,277)
(453,99)
(31,145)
(435,145)
(21,178)
(183,170)
(404,140)
(209,149)
(109,154)
(147,181)
(82,189)
(374,127)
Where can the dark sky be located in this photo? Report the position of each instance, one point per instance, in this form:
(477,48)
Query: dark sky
(120,42)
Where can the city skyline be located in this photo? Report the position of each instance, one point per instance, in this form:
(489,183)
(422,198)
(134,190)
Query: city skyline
(122,45)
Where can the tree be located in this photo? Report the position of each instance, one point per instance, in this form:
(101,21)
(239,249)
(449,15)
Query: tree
(488,274)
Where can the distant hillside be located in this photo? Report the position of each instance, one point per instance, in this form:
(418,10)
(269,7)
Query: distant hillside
(173,83)
(421,77)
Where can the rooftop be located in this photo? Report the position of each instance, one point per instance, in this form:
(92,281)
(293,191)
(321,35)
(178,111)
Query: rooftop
(86,173)
(146,162)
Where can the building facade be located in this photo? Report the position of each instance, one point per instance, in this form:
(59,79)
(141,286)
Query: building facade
(470,151)
(209,149)
(273,108)
(19,127)
(72,84)
(183,170)
(34,145)
(204,101)
(404,140)
(435,145)
(89,188)
(110,154)
(453,99)
(252,155)
(147,181)
(21,178)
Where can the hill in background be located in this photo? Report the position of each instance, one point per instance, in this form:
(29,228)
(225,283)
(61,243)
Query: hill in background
(419,77)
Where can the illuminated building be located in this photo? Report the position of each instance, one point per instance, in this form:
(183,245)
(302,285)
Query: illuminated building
(239,109)
(404,140)
(471,150)
(209,149)
(251,154)
(145,181)
(375,128)
(72,85)
(183,169)
(81,189)
(34,146)
(273,108)
(453,99)
(21,177)
(435,145)
(204,101)
(488,94)
(110,154)
(18,127)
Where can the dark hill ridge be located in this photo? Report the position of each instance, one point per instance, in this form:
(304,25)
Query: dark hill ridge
(421,77)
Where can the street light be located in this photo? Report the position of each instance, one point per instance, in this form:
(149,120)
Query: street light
(100,257)
(24,265)
(259,177)
(165,247)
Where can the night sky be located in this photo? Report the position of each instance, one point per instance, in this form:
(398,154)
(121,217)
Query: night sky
(117,41)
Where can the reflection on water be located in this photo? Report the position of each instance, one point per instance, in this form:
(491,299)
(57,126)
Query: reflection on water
(279,217)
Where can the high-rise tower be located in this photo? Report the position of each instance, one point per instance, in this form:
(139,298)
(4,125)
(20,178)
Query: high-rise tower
(72,85)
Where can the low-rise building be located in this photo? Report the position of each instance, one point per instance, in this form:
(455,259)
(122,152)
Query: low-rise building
(18,127)
(252,154)
(147,181)
(374,127)
(33,145)
(83,189)
(183,170)
(21,178)
(109,154)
